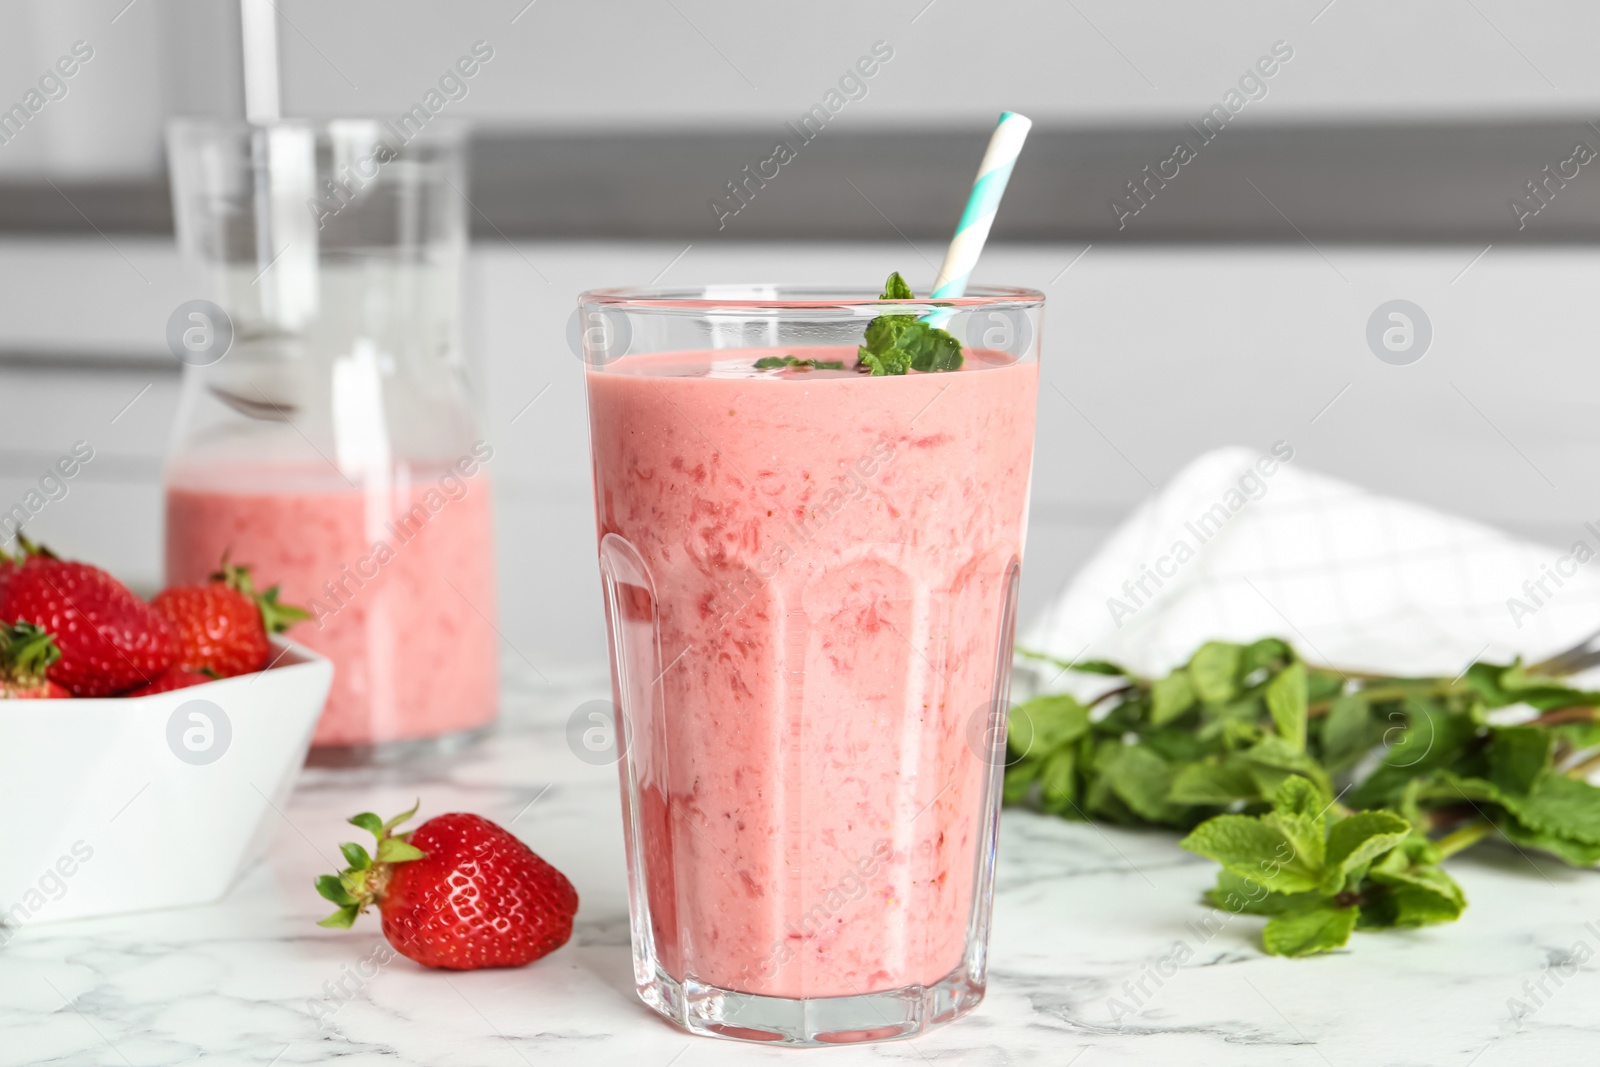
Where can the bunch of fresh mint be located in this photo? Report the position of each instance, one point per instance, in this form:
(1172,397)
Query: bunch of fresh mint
(1328,797)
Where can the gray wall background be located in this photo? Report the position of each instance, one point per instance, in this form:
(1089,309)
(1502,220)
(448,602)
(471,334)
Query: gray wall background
(726,64)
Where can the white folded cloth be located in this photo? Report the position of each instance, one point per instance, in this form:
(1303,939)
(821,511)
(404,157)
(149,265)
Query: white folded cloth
(1242,545)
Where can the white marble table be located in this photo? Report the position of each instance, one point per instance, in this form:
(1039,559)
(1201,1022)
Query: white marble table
(1082,915)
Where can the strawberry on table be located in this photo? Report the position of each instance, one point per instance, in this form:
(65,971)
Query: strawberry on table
(27,653)
(457,892)
(223,626)
(110,640)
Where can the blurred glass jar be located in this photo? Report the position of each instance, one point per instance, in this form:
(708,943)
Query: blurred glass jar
(327,435)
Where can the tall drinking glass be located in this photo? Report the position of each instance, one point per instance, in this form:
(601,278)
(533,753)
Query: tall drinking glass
(810,579)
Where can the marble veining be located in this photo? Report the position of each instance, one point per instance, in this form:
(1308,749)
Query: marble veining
(1101,954)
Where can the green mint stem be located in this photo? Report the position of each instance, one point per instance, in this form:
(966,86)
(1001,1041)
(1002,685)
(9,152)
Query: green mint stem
(1465,837)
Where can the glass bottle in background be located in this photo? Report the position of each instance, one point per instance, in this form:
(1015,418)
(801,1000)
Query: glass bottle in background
(333,444)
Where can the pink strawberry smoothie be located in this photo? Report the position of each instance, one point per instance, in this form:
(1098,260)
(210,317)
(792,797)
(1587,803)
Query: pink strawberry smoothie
(807,578)
(400,581)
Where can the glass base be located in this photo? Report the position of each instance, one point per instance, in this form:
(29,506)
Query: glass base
(815,1022)
(385,752)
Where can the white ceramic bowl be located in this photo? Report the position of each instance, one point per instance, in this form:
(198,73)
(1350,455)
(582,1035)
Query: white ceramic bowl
(118,804)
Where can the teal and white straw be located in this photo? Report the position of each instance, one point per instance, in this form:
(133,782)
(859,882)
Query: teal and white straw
(990,186)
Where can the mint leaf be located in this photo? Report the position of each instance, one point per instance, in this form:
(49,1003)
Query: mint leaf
(1346,732)
(1097,666)
(1143,780)
(1424,736)
(1558,814)
(1406,906)
(1214,670)
(891,361)
(1244,897)
(1238,721)
(1407,888)
(1577,735)
(898,344)
(1058,785)
(1213,783)
(1099,796)
(1255,850)
(1518,755)
(1315,928)
(1484,678)
(1356,841)
(1560,806)
(1282,850)
(1045,723)
(1287,701)
(1178,745)
(1301,800)
(1299,812)
(1324,685)
(933,349)
(1576,853)
(1426,880)
(1268,654)
(1273,754)
(1513,684)
(1086,666)
(778,362)
(1541,690)
(896,288)
(1170,697)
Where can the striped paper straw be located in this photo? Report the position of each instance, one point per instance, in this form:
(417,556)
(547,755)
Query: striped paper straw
(990,186)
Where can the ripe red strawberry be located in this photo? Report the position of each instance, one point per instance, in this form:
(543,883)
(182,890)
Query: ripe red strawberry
(458,892)
(110,640)
(26,656)
(223,626)
(174,678)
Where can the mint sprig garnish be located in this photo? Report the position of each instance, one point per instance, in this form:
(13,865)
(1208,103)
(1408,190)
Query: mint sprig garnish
(1329,798)
(777,362)
(897,344)
(1321,871)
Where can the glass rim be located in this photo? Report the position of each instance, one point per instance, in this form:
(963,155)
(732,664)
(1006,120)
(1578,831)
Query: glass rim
(710,298)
